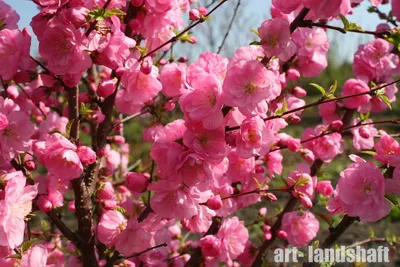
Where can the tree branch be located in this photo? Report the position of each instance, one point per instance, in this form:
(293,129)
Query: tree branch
(229,27)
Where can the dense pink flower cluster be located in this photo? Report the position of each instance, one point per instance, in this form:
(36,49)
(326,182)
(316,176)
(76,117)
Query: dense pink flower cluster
(214,133)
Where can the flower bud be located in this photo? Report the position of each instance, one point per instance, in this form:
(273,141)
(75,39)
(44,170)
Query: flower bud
(163,62)
(337,124)
(71,206)
(215,203)
(282,234)
(146,66)
(267,236)
(194,14)
(106,88)
(325,188)
(262,212)
(307,155)
(299,92)
(30,165)
(259,169)
(117,139)
(40,94)
(136,182)
(293,144)
(44,204)
(193,39)
(305,200)
(210,246)
(86,155)
(169,105)
(271,197)
(203,11)
(293,74)
(293,119)
(183,59)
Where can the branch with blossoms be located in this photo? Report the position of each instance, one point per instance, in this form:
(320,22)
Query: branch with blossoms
(78,188)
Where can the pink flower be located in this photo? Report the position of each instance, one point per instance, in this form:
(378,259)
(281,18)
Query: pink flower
(325,188)
(274,162)
(173,200)
(306,190)
(215,203)
(15,137)
(286,6)
(17,204)
(106,88)
(136,182)
(210,246)
(275,36)
(3,121)
(52,123)
(173,78)
(62,47)
(388,151)
(249,83)
(233,235)
(86,155)
(301,227)
(352,87)
(159,5)
(203,103)
(8,17)
(374,60)
(106,195)
(14,51)
(323,9)
(111,225)
(328,112)
(60,157)
(35,256)
(326,147)
(254,138)
(363,137)
(361,192)
(208,143)
(210,63)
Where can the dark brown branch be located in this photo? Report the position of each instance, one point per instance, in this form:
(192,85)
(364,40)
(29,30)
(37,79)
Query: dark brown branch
(299,19)
(144,251)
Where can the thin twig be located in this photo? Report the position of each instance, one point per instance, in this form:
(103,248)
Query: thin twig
(144,251)
(229,27)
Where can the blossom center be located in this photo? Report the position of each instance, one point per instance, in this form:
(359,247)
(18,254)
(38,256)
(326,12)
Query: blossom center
(121,227)
(250,88)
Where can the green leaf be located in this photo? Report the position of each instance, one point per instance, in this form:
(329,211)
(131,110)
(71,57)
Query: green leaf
(256,32)
(45,225)
(255,43)
(14,256)
(394,200)
(207,18)
(27,245)
(385,99)
(114,11)
(185,37)
(85,110)
(122,211)
(346,23)
(68,128)
(143,51)
(302,181)
(319,87)
(176,32)
(315,244)
(371,233)
(283,109)
(97,14)
(333,88)
(369,152)
(365,116)
(394,38)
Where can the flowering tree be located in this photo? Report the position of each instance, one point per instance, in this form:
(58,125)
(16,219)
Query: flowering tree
(64,160)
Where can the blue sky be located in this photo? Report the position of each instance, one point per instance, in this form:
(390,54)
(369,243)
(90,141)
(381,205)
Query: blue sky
(259,11)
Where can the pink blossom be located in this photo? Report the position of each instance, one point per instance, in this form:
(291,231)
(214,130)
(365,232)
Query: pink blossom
(363,136)
(326,147)
(200,222)
(86,155)
(323,9)
(254,139)
(301,227)
(361,192)
(233,235)
(210,246)
(328,112)
(150,133)
(35,256)
(111,225)
(8,17)
(396,8)
(106,88)
(374,60)
(275,36)
(210,63)
(215,203)
(352,87)
(286,6)
(14,51)
(274,162)
(173,200)
(62,47)
(388,151)
(160,5)
(60,157)
(15,137)
(173,79)
(306,190)
(325,188)
(52,123)
(203,103)
(249,83)
(106,195)
(17,204)
(136,182)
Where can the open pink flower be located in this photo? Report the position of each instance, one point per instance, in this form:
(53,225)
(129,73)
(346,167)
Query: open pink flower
(304,192)
(173,78)
(352,87)
(388,151)
(14,52)
(301,227)
(233,235)
(35,256)
(62,47)
(17,204)
(247,84)
(363,137)
(203,103)
(60,157)
(8,17)
(111,224)
(254,138)
(275,36)
(361,192)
